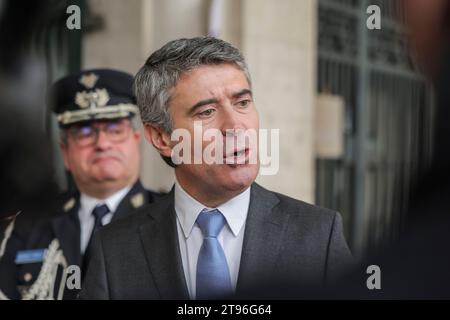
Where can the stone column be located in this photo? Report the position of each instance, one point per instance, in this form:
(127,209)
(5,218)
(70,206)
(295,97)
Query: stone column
(279,41)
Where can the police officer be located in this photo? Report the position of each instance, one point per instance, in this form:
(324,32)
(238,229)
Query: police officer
(100,147)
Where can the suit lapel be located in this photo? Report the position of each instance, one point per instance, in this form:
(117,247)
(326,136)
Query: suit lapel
(66,228)
(262,239)
(160,241)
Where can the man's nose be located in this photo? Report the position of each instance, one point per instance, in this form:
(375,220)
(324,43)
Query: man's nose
(103,142)
(231,122)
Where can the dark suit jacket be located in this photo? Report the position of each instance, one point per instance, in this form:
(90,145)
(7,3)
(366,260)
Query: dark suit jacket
(65,226)
(139,258)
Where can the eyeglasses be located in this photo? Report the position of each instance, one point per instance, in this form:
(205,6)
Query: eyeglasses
(87,135)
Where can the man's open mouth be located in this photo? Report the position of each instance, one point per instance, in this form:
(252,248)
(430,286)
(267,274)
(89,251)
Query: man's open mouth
(237,157)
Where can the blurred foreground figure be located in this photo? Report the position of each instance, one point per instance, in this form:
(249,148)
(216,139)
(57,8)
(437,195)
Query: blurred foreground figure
(25,163)
(27,190)
(417,266)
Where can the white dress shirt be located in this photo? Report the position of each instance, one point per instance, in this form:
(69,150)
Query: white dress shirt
(87,220)
(190,236)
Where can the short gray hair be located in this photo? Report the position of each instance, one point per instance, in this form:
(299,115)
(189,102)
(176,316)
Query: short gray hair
(165,66)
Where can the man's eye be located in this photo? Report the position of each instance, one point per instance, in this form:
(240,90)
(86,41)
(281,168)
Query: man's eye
(114,128)
(206,113)
(244,103)
(85,131)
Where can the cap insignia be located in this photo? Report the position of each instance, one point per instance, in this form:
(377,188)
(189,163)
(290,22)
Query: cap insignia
(89,80)
(94,99)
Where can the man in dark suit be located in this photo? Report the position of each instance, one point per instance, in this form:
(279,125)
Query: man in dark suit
(217,233)
(100,147)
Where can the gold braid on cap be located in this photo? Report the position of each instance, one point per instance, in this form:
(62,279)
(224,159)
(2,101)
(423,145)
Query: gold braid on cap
(121,110)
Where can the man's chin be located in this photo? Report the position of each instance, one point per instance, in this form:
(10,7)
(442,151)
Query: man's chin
(107,178)
(240,177)
(108,171)
(242,170)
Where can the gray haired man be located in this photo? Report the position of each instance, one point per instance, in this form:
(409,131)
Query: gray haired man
(217,233)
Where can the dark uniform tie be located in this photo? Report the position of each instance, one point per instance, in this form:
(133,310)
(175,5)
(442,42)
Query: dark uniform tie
(99,213)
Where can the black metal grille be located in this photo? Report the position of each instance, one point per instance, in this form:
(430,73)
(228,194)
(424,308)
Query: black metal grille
(389,119)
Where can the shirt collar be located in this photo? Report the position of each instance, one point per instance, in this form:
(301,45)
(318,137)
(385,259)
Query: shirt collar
(88,203)
(187,209)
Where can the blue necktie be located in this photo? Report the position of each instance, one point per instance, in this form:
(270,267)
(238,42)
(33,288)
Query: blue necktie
(213,276)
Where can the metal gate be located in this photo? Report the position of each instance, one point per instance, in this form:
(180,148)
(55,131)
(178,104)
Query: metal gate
(389,117)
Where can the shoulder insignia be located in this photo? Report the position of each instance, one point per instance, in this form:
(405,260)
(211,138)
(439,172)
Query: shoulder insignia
(69,204)
(137,200)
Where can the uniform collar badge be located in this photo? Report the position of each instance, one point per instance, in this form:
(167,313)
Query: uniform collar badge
(69,204)
(137,200)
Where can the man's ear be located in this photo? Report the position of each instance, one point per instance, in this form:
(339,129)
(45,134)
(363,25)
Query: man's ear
(159,139)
